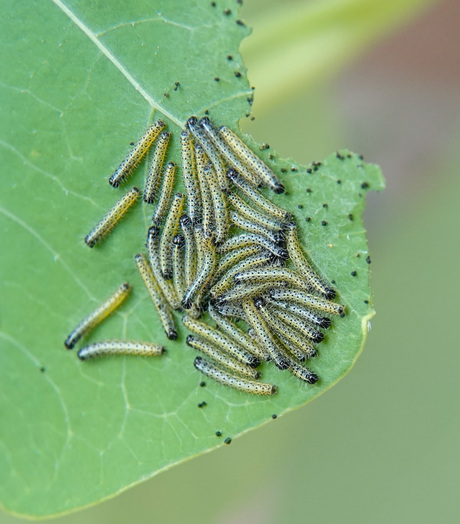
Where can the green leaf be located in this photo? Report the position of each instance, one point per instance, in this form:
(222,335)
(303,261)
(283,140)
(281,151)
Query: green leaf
(83,82)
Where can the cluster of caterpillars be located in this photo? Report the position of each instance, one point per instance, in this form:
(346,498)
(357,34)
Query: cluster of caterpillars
(221,250)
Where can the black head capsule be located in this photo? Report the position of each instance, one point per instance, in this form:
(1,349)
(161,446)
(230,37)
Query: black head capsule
(282,253)
(277,261)
(185,221)
(279,188)
(154,231)
(187,303)
(259,302)
(172,334)
(215,301)
(280,239)
(330,294)
(318,338)
(205,120)
(282,364)
(192,121)
(325,323)
(232,175)
(179,241)
(287,224)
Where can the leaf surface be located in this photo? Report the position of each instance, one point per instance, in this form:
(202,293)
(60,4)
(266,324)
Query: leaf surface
(85,81)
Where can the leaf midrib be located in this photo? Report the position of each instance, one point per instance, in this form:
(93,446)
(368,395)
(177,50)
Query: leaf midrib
(108,54)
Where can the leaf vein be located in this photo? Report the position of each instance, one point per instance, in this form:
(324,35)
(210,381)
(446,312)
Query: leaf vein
(45,173)
(48,247)
(133,23)
(68,430)
(108,54)
(24,91)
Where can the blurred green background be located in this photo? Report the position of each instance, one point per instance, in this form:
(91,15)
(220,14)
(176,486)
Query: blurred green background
(382,445)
